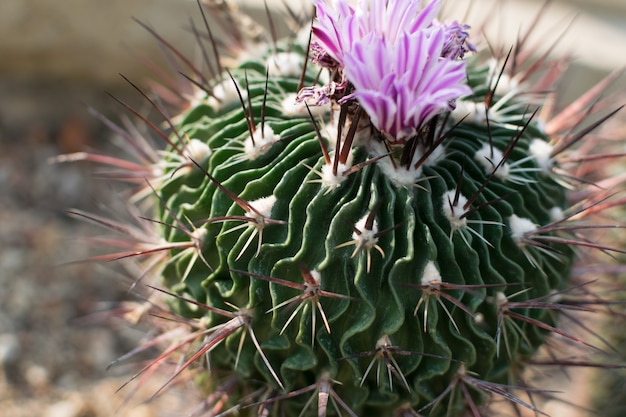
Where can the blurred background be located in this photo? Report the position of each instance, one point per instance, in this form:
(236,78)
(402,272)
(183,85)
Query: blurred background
(57,57)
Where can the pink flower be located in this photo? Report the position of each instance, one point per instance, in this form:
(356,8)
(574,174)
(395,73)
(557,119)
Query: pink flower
(339,26)
(403,65)
(403,85)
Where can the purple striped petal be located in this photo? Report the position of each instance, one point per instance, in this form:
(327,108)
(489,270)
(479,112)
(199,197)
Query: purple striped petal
(403,85)
(404,66)
(338,25)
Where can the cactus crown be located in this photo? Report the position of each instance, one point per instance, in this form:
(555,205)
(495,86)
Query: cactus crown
(381,237)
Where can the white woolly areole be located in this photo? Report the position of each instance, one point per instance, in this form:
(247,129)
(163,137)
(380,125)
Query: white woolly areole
(264,208)
(453,212)
(403,176)
(264,138)
(556,214)
(479,318)
(542,153)
(520,226)
(431,274)
(506,83)
(329,179)
(501,299)
(197,150)
(383,342)
(555,297)
(225,92)
(293,108)
(472,112)
(317,277)
(287,64)
(367,239)
(200,234)
(489,157)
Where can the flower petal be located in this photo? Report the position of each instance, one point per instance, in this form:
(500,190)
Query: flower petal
(410,73)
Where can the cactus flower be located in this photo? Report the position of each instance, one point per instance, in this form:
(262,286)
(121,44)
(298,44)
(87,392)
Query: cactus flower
(404,84)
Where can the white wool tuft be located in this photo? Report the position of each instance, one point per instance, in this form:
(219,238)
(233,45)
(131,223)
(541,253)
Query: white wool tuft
(288,64)
(263,140)
(489,157)
(263,206)
(197,150)
(542,152)
(431,274)
(454,213)
(520,226)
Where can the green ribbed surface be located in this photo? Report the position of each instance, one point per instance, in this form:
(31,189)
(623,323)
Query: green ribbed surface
(383,300)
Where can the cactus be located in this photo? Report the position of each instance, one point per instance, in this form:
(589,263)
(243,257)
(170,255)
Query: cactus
(386,231)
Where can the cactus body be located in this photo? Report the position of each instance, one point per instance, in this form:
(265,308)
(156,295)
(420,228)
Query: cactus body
(350,276)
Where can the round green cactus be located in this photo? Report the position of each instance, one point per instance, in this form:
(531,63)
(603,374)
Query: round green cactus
(376,259)
(334,263)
